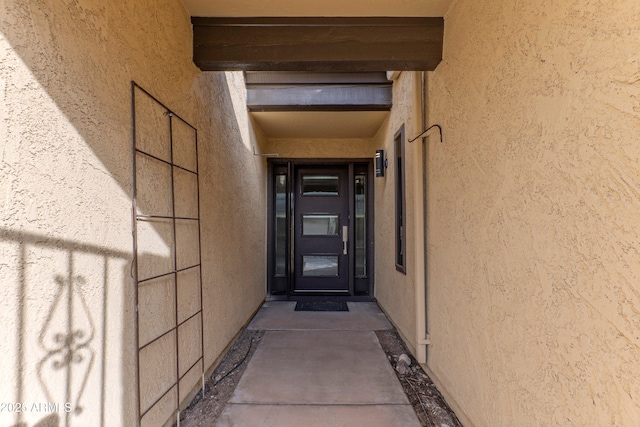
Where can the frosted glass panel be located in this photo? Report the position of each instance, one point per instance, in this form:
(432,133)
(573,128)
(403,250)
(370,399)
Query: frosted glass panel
(320,185)
(361,225)
(320,266)
(320,225)
(281,225)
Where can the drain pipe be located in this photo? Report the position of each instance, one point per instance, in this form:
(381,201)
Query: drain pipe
(422,294)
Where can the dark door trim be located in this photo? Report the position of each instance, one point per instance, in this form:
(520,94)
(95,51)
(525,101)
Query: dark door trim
(280,233)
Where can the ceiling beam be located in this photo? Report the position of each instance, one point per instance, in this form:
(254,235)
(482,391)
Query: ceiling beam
(336,44)
(319,98)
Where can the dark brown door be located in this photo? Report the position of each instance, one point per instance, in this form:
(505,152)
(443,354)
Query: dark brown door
(321,229)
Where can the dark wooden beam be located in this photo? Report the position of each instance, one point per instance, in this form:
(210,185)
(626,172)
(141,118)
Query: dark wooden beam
(317,44)
(305,78)
(356,97)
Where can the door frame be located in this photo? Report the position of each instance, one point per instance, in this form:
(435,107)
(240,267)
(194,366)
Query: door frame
(281,286)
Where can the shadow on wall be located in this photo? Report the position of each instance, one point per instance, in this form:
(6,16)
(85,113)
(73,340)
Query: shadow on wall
(60,301)
(52,420)
(70,305)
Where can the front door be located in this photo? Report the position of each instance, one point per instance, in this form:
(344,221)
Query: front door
(321,229)
(320,236)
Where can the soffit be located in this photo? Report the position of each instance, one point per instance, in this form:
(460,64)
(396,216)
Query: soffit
(311,8)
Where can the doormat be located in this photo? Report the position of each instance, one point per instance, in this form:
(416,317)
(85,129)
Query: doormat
(321,306)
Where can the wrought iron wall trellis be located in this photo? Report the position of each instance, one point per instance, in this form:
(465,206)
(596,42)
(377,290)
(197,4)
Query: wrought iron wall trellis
(174,272)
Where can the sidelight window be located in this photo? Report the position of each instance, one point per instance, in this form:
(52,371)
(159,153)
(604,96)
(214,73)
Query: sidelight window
(361,224)
(280,225)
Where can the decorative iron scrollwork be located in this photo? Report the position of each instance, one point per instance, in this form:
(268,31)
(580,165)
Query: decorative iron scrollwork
(66,337)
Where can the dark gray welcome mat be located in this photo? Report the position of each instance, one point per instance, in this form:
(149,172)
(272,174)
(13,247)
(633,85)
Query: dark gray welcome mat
(321,306)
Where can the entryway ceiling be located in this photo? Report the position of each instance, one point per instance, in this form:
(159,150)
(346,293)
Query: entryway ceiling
(258,8)
(350,124)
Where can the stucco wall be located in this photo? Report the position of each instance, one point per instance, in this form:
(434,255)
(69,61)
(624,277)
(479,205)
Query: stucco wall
(396,291)
(535,212)
(65,209)
(335,148)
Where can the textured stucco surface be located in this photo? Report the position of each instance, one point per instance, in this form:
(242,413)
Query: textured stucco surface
(335,148)
(535,212)
(534,208)
(317,8)
(65,206)
(396,291)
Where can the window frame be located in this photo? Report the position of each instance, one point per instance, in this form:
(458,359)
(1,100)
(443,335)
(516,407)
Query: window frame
(400,200)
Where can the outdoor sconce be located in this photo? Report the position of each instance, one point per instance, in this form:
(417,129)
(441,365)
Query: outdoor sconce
(381,163)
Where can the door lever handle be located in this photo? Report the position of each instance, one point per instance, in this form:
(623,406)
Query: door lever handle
(345,238)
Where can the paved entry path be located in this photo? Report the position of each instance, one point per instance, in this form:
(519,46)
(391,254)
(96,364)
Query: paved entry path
(319,369)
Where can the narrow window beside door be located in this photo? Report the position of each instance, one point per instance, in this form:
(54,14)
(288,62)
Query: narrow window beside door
(361,225)
(281,225)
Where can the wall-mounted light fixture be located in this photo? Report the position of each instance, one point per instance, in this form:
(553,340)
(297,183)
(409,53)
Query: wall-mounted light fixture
(381,163)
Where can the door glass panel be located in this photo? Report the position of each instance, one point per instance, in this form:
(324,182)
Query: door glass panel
(320,265)
(361,225)
(320,185)
(320,225)
(281,225)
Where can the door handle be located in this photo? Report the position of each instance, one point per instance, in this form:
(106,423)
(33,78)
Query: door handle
(345,238)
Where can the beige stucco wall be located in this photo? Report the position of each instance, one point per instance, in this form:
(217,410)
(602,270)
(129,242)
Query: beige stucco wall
(335,148)
(65,203)
(396,291)
(535,212)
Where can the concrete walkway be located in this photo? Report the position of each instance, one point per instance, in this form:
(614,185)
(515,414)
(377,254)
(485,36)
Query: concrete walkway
(319,369)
